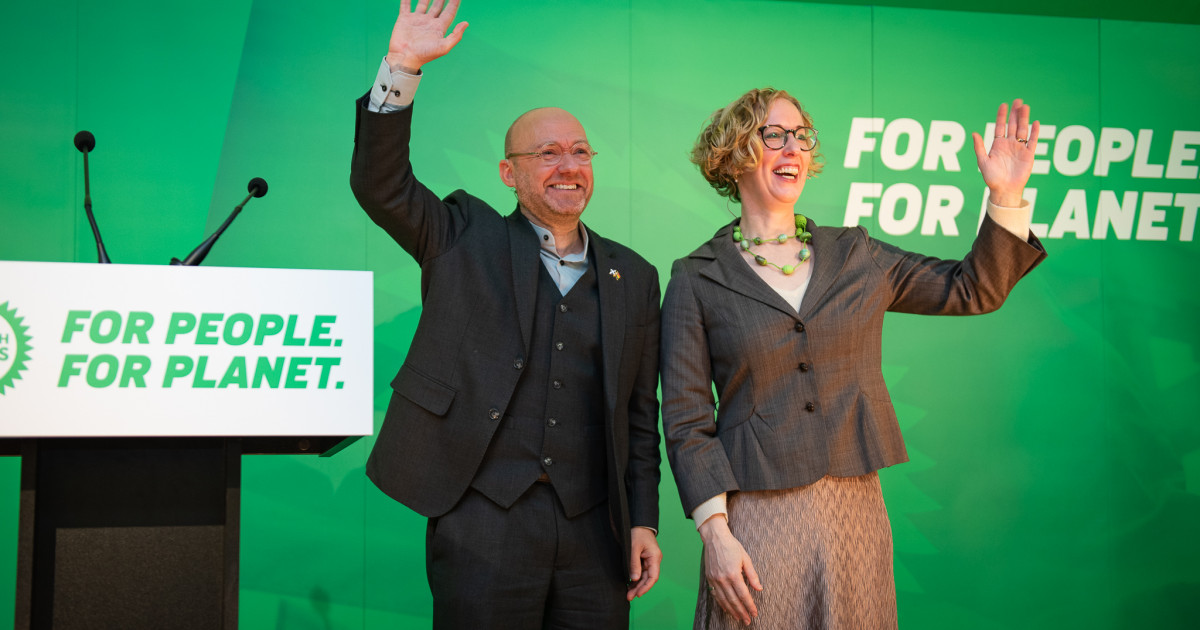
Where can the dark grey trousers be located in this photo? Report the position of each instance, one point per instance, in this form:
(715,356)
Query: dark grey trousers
(526,567)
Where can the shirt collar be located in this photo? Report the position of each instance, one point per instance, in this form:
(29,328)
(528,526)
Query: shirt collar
(546,242)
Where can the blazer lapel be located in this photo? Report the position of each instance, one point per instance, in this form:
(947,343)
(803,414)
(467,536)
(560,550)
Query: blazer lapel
(730,270)
(830,253)
(611,291)
(612,316)
(524,250)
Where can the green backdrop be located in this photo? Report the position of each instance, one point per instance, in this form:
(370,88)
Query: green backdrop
(1055,473)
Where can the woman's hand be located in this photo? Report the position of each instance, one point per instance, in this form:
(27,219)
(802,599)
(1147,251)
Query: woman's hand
(725,564)
(420,36)
(1007,166)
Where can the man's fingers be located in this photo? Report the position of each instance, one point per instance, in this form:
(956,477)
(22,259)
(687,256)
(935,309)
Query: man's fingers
(455,35)
(649,577)
(449,10)
(641,587)
(644,572)
(632,592)
(643,563)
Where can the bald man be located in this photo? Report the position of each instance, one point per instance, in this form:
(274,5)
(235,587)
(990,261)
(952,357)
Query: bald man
(524,421)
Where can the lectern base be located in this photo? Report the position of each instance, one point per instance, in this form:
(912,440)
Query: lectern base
(129,533)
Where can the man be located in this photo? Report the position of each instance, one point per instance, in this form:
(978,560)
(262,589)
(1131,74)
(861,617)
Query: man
(524,421)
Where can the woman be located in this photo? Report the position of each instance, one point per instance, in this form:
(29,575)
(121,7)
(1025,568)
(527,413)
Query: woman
(785,318)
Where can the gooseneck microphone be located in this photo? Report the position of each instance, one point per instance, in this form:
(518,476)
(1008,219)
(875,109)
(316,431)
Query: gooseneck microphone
(85,142)
(257,188)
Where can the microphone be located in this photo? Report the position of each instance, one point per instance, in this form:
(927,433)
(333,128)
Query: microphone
(85,142)
(257,188)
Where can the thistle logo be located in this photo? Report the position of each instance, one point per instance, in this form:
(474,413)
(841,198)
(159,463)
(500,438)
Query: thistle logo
(14,346)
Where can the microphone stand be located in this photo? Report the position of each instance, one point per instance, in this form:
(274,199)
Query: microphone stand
(257,188)
(85,142)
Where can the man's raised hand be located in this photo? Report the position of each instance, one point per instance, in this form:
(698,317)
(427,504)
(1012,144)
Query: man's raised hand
(419,36)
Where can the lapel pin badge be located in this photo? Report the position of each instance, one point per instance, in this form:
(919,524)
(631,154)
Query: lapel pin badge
(614,273)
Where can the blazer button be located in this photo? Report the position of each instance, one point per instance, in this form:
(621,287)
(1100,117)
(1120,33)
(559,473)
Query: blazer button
(552,422)
(557,384)
(547,461)
(519,363)
(559,346)
(799,327)
(562,308)
(810,407)
(494,414)
(804,367)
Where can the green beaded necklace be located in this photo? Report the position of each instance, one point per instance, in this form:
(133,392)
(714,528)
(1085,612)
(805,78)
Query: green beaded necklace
(802,233)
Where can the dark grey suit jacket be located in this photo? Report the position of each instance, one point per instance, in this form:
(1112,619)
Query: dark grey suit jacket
(479,275)
(783,424)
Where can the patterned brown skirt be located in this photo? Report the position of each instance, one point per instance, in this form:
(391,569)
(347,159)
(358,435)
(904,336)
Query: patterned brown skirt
(823,553)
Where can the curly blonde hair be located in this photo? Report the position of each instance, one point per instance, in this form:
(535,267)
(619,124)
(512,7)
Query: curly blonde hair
(730,144)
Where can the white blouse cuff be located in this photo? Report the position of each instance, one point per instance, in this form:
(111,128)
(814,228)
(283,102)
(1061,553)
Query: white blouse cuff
(1015,220)
(709,509)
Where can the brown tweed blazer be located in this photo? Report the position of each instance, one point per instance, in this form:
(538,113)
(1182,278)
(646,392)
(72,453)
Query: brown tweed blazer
(802,394)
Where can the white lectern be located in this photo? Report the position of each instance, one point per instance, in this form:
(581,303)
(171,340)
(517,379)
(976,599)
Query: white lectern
(131,393)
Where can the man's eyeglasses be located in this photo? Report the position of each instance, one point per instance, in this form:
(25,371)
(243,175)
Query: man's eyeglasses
(552,154)
(775,137)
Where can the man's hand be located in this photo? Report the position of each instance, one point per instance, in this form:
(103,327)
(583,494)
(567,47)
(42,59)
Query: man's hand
(645,559)
(420,36)
(728,569)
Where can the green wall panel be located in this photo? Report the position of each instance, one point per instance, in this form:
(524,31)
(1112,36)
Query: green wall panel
(1055,473)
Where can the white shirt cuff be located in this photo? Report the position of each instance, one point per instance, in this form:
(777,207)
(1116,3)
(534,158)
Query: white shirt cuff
(392,91)
(709,509)
(1015,220)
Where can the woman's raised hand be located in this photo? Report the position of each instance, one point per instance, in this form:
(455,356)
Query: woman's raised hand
(1006,167)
